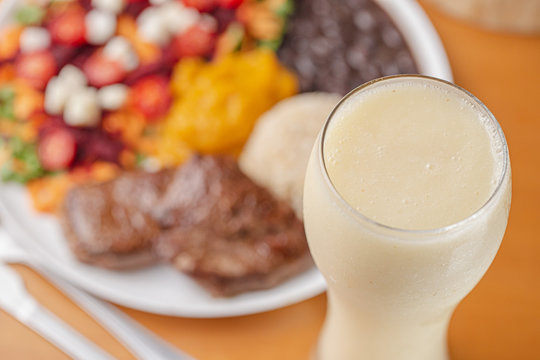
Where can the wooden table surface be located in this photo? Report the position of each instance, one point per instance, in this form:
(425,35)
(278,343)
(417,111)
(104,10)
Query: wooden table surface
(500,319)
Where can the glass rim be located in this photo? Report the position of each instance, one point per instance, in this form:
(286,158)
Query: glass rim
(431,231)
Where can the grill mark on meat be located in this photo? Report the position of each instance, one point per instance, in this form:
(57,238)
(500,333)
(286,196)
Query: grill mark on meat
(226,231)
(109,224)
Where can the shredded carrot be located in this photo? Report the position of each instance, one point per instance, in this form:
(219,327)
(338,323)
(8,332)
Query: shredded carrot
(7,73)
(230,40)
(128,124)
(147,145)
(10,41)
(169,151)
(127,159)
(8,128)
(27,100)
(103,171)
(47,193)
(27,132)
(37,119)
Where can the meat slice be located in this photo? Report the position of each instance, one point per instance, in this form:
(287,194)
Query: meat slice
(207,218)
(225,231)
(109,224)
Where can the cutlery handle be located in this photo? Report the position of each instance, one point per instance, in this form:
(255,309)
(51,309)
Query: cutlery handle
(142,343)
(62,335)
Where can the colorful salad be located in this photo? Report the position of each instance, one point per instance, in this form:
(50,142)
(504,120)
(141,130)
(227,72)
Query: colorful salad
(89,88)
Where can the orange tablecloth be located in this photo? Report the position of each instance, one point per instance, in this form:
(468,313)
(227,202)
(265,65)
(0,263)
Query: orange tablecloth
(500,319)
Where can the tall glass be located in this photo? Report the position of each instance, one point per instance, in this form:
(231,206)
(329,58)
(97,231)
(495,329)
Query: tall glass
(391,291)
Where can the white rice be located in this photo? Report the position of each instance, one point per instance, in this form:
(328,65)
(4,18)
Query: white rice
(277,152)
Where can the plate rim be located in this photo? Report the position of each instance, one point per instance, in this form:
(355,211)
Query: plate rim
(421,37)
(14,228)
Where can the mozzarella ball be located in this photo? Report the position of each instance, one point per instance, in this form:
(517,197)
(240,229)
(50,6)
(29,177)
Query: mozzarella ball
(120,49)
(177,17)
(100,26)
(82,108)
(113,97)
(152,26)
(56,95)
(34,39)
(112,6)
(72,77)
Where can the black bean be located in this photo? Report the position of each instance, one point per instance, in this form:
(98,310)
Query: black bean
(336,45)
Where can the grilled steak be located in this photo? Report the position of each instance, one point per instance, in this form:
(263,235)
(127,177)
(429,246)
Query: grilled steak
(207,218)
(225,231)
(109,224)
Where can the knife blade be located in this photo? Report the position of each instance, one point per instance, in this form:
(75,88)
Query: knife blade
(15,300)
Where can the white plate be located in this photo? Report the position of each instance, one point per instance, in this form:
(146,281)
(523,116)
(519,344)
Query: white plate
(158,289)
(161,289)
(421,37)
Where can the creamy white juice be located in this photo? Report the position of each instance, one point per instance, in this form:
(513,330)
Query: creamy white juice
(412,155)
(406,200)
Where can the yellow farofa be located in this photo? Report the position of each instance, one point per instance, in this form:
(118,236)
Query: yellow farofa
(216,104)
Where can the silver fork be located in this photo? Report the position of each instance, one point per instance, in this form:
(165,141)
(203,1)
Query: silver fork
(141,343)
